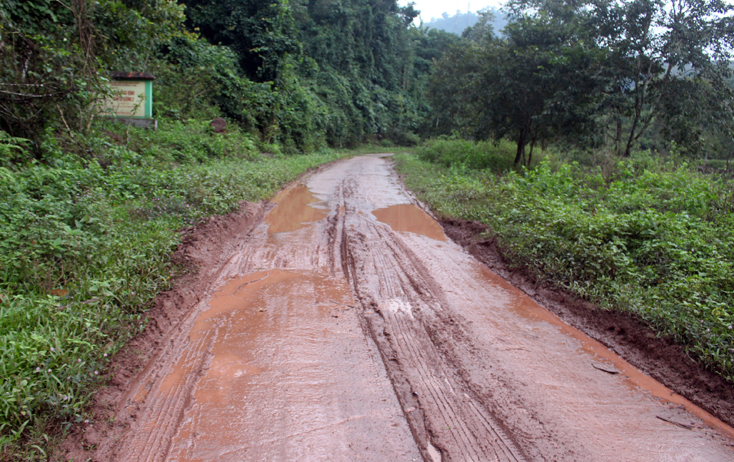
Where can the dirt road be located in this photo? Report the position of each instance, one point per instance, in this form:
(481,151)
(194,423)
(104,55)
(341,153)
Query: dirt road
(346,327)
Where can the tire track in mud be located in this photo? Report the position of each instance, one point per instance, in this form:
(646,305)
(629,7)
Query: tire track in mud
(156,416)
(388,280)
(158,400)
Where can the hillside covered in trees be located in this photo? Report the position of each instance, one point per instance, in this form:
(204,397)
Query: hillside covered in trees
(459,22)
(304,75)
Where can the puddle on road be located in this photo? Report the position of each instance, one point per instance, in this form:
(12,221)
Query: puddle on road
(277,374)
(529,309)
(248,319)
(230,305)
(410,218)
(293,208)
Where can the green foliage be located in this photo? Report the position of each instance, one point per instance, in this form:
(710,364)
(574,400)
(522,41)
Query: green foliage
(85,246)
(262,34)
(537,83)
(190,141)
(654,239)
(664,62)
(12,150)
(53,58)
(622,72)
(300,75)
(326,73)
(206,71)
(462,154)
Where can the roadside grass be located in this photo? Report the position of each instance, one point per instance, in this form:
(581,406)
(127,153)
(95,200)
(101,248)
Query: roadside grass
(718,164)
(653,237)
(85,245)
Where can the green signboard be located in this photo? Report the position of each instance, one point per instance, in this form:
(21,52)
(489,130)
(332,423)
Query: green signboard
(132,95)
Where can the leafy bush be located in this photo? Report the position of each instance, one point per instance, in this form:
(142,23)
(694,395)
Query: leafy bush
(655,240)
(191,141)
(454,152)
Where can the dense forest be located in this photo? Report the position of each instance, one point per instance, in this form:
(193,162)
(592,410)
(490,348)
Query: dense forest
(90,210)
(303,75)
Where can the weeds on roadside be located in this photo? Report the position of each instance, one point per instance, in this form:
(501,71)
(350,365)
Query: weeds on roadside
(467,155)
(653,238)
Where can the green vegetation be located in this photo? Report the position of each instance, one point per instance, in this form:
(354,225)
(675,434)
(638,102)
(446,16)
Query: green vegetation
(649,236)
(594,73)
(89,210)
(331,73)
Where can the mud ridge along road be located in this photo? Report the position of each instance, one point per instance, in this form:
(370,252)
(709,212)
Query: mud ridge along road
(341,324)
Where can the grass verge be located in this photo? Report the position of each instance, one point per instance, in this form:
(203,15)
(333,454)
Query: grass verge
(654,238)
(85,241)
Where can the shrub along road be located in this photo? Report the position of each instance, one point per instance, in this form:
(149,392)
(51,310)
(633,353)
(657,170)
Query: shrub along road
(342,324)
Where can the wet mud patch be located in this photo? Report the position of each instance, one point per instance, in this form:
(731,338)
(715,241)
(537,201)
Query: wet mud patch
(410,218)
(623,333)
(345,339)
(294,209)
(202,252)
(273,388)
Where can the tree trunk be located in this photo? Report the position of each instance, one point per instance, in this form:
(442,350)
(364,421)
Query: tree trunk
(520,147)
(630,141)
(640,102)
(618,139)
(532,145)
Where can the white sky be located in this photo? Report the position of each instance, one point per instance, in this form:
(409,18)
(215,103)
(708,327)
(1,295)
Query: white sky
(434,8)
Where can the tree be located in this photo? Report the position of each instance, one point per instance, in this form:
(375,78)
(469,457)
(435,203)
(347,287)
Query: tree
(262,32)
(657,52)
(537,82)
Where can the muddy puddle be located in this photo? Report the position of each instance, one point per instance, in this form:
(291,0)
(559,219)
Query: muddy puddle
(410,218)
(295,207)
(271,378)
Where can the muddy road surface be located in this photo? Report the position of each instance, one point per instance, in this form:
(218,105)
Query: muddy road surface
(346,327)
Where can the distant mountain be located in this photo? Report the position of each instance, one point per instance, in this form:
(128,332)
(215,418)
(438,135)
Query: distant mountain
(458,22)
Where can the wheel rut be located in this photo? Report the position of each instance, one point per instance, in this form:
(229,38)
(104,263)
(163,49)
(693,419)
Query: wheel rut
(389,282)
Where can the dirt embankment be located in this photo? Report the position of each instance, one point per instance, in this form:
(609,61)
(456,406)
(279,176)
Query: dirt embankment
(203,251)
(623,333)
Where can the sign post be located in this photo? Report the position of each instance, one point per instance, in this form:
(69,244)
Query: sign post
(132,99)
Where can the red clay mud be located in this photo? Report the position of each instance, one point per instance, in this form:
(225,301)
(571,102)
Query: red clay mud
(356,331)
(623,333)
(293,210)
(410,218)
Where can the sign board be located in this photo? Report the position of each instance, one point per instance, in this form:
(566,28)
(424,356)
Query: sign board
(132,95)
